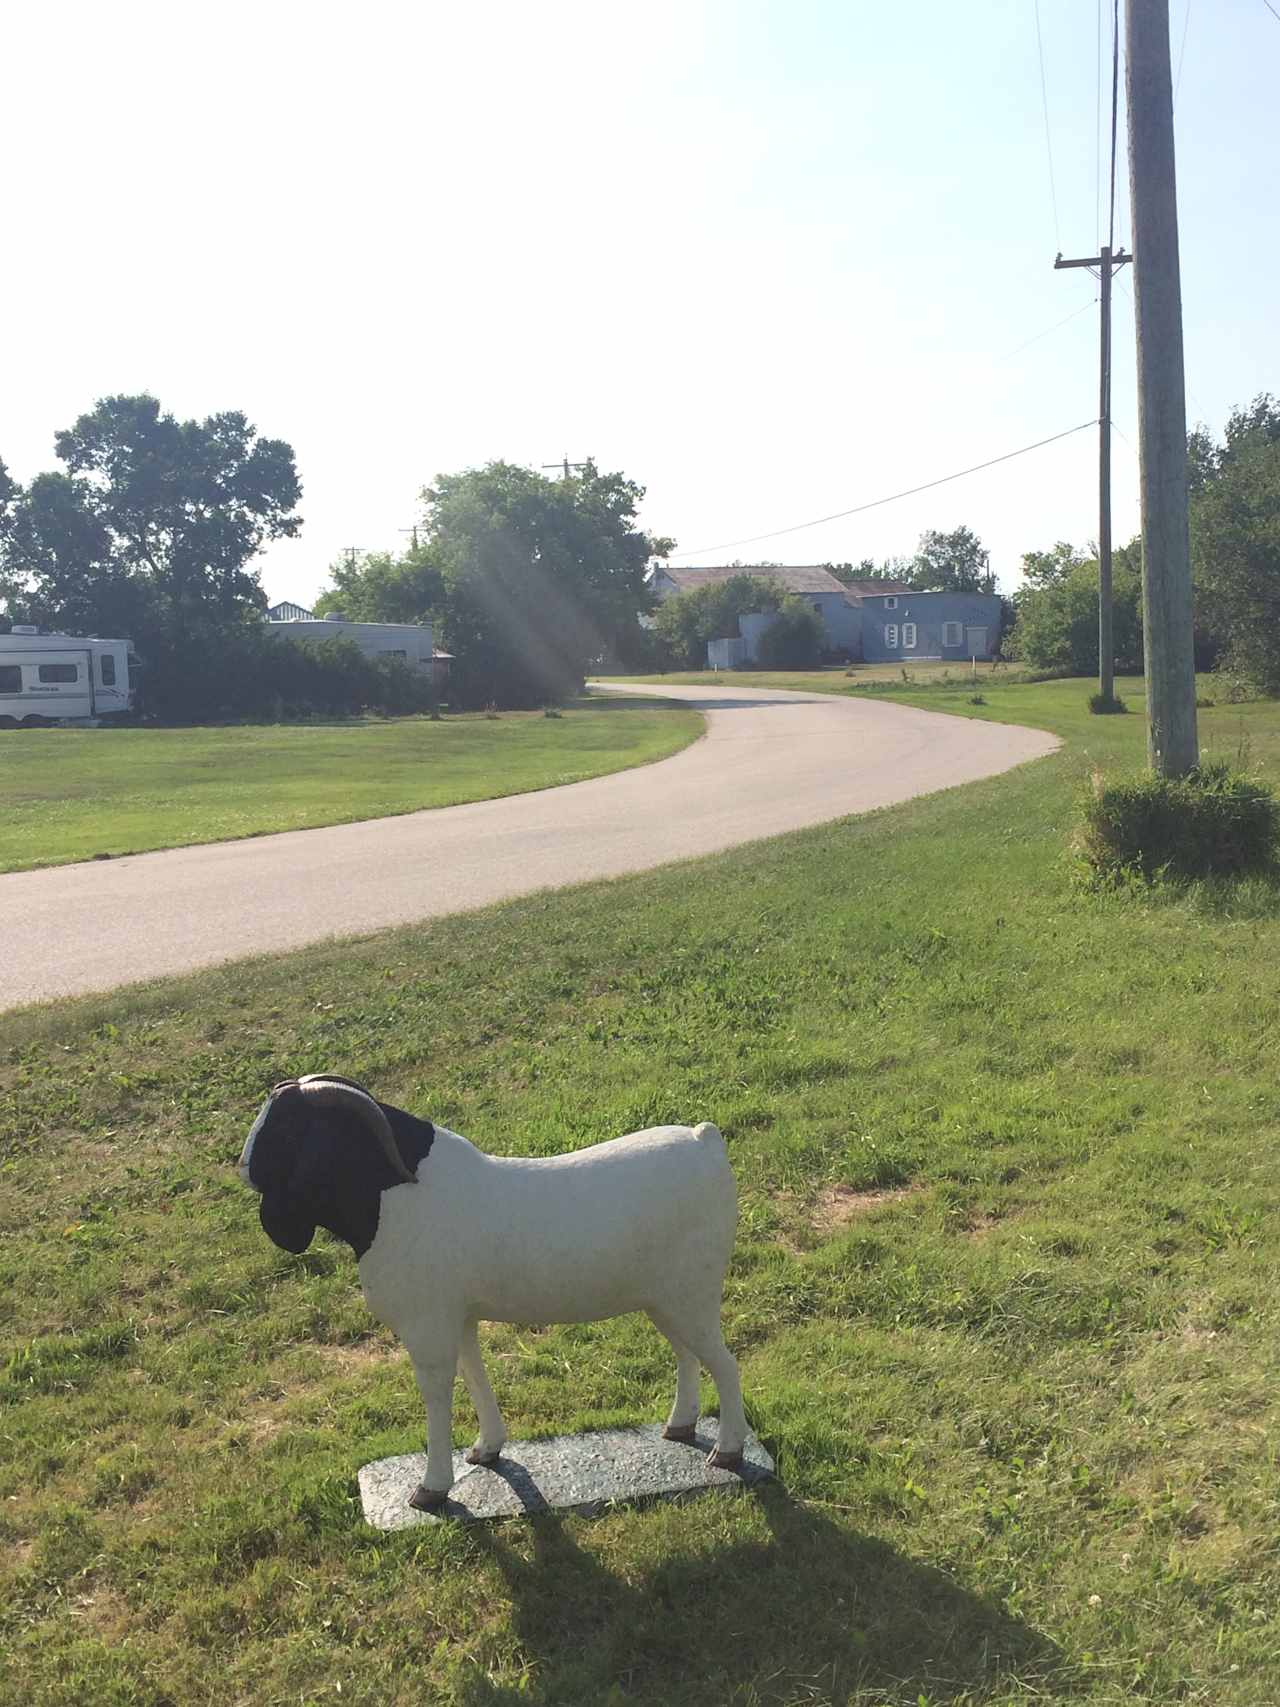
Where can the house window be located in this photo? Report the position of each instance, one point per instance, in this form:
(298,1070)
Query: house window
(891,635)
(394,652)
(891,604)
(952,634)
(59,673)
(107,665)
(10,678)
(908,636)
(817,607)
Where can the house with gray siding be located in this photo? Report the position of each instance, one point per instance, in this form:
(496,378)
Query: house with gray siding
(875,622)
(836,603)
(902,627)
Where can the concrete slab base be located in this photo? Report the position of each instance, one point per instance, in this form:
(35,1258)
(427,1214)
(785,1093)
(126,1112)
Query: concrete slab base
(571,1472)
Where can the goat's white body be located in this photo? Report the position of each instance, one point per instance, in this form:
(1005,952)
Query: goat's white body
(644,1222)
(627,1225)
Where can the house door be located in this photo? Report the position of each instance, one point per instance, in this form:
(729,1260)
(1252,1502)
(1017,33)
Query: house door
(975,642)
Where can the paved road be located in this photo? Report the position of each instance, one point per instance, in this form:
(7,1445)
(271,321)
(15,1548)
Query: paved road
(769,762)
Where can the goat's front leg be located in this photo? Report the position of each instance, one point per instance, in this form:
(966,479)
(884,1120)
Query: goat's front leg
(493,1433)
(435,1371)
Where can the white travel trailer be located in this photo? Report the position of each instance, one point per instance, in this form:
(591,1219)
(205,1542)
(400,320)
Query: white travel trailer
(61,677)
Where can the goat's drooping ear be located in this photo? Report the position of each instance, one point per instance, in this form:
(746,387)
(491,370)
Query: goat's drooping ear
(325,1092)
(286,1222)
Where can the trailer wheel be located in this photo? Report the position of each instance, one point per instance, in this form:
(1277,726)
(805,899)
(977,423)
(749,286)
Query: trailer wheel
(33,720)
(7,722)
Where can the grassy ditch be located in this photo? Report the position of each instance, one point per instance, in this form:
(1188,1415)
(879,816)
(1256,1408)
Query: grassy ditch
(1005,1293)
(71,794)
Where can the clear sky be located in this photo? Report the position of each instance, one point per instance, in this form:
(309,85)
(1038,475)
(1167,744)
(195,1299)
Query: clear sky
(770,258)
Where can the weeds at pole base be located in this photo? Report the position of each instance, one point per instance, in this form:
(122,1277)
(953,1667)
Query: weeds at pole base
(1214,822)
(1106,704)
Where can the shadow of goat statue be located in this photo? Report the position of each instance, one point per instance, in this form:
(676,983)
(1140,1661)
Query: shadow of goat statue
(446,1237)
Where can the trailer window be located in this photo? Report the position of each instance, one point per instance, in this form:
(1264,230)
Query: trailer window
(10,678)
(108,664)
(59,673)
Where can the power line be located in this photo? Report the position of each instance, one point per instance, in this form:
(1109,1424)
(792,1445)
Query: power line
(1048,142)
(1272,10)
(1018,349)
(857,510)
(1182,52)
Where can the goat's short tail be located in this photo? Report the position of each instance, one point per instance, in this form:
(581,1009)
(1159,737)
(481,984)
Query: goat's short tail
(708,1133)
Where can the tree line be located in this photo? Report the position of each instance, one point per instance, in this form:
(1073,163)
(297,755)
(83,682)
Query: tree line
(1234,503)
(150,528)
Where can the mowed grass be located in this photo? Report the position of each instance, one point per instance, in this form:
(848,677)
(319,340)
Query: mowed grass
(73,794)
(831,678)
(1005,1293)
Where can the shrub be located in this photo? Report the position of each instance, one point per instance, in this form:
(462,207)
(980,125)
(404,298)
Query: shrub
(247,672)
(1106,705)
(1214,822)
(793,640)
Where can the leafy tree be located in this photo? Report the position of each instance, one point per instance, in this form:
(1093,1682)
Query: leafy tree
(149,532)
(1051,568)
(686,621)
(539,578)
(184,504)
(380,587)
(952,562)
(794,639)
(892,569)
(1057,611)
(1235,540)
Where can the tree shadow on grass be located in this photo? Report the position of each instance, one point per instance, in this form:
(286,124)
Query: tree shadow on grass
(814,1613)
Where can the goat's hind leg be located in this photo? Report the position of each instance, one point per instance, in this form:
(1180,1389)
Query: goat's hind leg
(682,1424)
(701,1334)
(493,1433)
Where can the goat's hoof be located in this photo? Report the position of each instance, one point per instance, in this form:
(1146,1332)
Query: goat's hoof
(427,1499)
(478,1455)
(685,1433)
(718,1460)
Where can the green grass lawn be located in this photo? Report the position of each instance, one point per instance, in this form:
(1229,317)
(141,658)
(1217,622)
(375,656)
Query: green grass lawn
(72,793)
(832,678)
(1005,1294)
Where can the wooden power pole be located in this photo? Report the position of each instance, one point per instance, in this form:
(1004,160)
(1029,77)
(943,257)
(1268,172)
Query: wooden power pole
(1106,261)
(1172,743)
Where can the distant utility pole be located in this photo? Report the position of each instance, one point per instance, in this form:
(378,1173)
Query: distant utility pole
(565,464)
(350,551)
(1172,743)
(1106,261)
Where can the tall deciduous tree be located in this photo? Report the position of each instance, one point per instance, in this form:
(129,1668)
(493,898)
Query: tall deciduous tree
(1235,540)
(686,621)
(153,524)
(1057,610)
(539,578)
(954,562)
(381,587)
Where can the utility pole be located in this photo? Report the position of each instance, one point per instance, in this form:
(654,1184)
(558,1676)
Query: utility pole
(1106,261)
(565,464)
(1172,744)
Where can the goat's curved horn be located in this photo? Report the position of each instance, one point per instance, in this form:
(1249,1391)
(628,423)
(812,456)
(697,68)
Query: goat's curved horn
(335,1093)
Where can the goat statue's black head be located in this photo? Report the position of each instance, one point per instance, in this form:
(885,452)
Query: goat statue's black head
(321,1153)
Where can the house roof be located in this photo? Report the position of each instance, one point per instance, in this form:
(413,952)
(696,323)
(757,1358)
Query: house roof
(795,577)
(857,590)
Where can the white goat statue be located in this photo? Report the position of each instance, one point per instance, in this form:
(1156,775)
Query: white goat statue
(447,1236)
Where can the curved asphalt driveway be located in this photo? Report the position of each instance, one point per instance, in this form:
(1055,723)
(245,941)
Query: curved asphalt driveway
(769,762)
